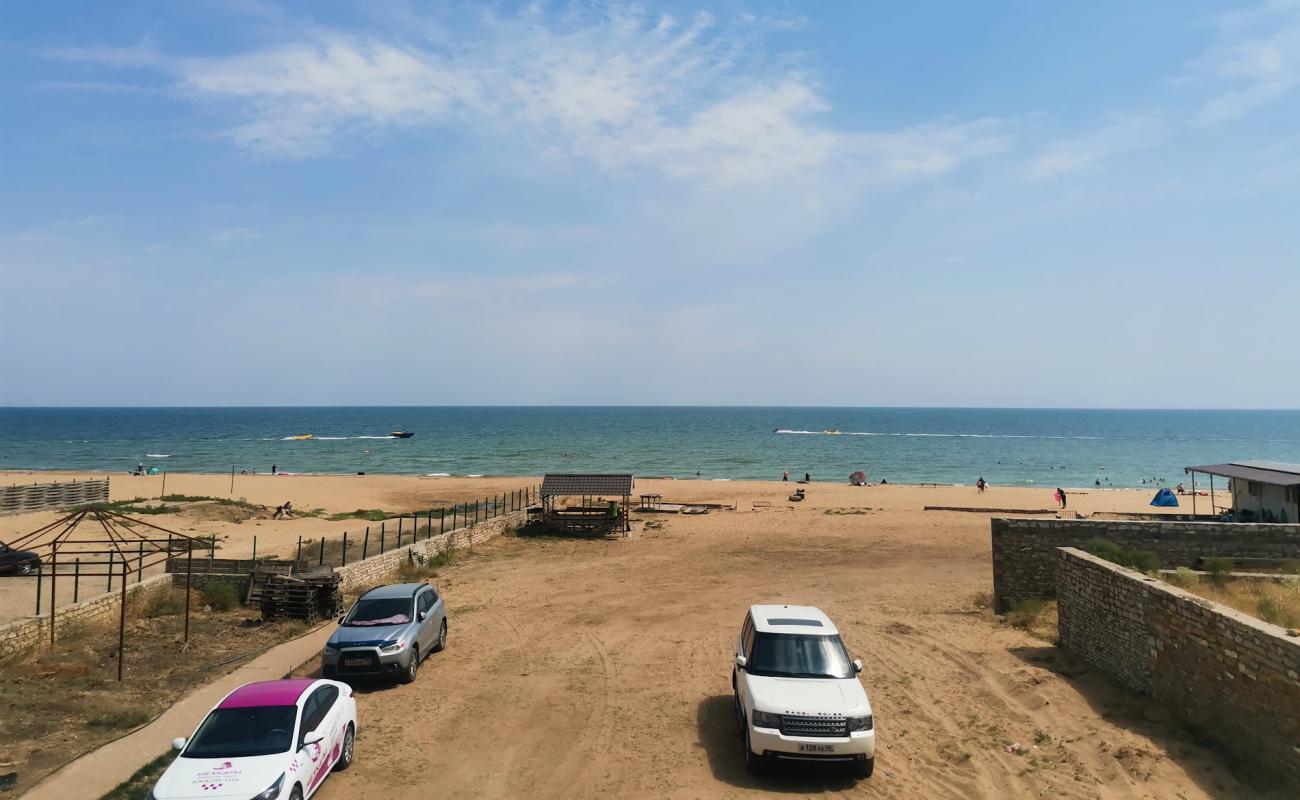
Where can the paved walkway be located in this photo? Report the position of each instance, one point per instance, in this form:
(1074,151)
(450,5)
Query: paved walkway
(100,771)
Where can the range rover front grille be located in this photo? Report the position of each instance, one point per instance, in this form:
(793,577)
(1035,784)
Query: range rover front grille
(794,725)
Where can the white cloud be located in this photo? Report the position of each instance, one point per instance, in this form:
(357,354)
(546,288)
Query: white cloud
(1256,60)
(141,54)
(624,90)
(1119,133)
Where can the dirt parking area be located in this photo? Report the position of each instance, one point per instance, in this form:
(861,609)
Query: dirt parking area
(602,669)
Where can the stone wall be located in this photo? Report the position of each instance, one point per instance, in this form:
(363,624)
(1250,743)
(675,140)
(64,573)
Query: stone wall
(361,575)
(20,499)
(29,632)
(1024,550)
(1230,677)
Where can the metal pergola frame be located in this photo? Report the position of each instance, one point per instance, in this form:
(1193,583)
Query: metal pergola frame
(112,531)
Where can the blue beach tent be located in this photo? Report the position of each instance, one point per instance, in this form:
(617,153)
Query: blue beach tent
(1165,498)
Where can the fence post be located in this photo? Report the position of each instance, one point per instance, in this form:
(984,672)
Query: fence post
(442,521)
(345,548)
(365,544)
(110,570)
(139,564)
(298,559)
(476,502)
(40,571)
(255,552)
(382,535)
(400,520)
(76,579)
(321,560)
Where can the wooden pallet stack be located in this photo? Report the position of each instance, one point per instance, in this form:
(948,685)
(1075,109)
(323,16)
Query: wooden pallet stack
(305,597)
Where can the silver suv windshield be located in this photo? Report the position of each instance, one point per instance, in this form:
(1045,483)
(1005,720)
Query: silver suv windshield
(797,655)
(380,611)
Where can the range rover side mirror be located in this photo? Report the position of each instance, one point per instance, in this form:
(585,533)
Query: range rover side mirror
(741,661)
(178,744)
(857,665)
(312,738)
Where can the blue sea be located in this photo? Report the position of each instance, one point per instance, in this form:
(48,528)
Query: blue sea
(904,445)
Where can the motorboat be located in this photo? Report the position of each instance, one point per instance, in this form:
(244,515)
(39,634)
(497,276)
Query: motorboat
(402,434)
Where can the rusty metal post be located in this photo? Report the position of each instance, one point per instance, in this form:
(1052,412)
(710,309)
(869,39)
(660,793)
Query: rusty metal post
(121,624)
(345,548)
(365,544)
(76,580)
(189,578)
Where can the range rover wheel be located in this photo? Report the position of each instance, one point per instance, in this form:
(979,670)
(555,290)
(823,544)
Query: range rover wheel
(863,769)
(412,667)
(754,763)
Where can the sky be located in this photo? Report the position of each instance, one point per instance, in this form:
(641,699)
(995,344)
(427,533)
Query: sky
(238,202)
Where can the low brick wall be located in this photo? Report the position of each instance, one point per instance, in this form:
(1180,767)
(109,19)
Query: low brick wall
(1024,550)
(376,569)
(1230,677)
(29,632)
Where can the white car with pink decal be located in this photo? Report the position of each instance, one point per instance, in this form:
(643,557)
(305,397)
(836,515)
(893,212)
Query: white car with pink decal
(272,740)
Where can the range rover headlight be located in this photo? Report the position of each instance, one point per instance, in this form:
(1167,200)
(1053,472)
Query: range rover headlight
(764,719)
(861,723)
(393,647)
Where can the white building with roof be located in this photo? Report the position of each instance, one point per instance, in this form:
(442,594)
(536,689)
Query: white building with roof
(1261,491)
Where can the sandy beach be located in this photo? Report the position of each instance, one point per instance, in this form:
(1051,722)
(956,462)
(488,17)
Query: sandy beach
(600,668)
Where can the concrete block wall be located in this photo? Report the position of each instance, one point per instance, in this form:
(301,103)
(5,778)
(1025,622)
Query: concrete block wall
(1025,558)
(1229,676)
(23,634)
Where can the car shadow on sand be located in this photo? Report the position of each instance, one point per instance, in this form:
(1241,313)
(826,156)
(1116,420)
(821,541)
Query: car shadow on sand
(1211,767)
(720,738)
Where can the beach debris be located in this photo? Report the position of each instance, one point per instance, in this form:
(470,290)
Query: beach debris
(1014,747)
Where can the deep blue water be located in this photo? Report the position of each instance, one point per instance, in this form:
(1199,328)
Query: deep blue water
(1006,446)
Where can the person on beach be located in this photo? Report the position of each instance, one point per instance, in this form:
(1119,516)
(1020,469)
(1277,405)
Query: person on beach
(807,478)
(786,476)
(1060,496)
(273,469)
(980,484)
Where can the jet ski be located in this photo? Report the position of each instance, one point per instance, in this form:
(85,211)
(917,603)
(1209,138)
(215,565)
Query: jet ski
(402,434)
(302,436)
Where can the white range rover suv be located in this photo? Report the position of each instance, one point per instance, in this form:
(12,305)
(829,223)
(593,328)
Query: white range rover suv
(798,696)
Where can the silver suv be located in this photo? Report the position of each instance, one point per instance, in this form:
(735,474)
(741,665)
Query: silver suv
(387,632)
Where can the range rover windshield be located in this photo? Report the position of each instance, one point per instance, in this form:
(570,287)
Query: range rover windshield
(797,655)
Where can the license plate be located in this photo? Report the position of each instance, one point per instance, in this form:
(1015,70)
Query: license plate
(356,662)
(816,748)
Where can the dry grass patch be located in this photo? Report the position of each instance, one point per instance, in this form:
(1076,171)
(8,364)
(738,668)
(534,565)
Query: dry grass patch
(1277,602)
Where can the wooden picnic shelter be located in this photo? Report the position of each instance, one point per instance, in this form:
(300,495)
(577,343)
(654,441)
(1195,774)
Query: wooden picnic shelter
(602,507)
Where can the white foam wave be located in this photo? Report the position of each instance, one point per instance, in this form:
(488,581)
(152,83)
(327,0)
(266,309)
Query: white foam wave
(157,455)
(437,474)
(938,435)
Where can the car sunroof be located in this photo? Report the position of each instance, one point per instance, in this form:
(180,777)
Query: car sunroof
(812,623)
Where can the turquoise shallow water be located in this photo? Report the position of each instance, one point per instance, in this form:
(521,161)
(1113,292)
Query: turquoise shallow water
(1006,446)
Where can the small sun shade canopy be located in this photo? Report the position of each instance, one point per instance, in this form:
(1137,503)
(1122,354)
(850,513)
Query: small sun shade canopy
(573,485)
(1165,499)
(811,623)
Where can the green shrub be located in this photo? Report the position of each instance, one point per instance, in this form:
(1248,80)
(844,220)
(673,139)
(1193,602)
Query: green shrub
(1183,577)
(118,718)
(1218,569)
(221,597)
(161,602)
(1140,560)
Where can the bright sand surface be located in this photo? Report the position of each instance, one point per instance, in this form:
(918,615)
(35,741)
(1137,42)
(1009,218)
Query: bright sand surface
(601,668)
